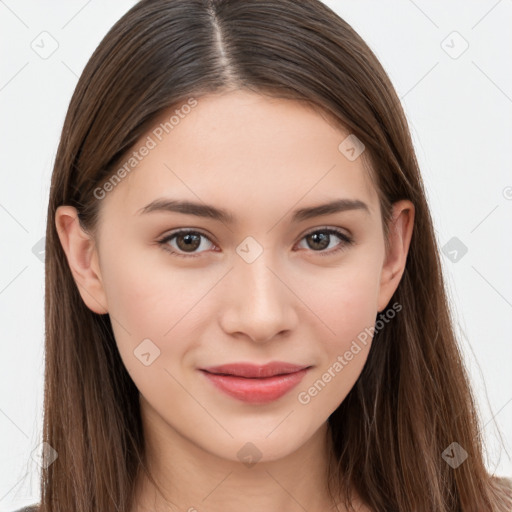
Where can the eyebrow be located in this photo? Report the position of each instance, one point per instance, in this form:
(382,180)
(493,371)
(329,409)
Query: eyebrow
(222,215)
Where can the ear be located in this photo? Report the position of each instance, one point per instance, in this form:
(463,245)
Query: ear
(82,258)
(400,233)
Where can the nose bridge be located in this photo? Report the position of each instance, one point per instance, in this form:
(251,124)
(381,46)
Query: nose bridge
(258,302)
(258,279)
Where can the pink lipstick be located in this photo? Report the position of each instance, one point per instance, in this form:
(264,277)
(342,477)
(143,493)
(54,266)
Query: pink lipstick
(255,384)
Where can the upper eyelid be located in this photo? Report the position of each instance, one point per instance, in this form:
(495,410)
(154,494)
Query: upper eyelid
(206,235)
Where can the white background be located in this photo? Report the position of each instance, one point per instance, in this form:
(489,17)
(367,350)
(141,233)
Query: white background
(460,115)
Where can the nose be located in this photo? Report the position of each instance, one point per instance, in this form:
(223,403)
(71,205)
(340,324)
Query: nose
(258,302)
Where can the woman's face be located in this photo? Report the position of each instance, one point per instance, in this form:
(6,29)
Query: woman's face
(264,282)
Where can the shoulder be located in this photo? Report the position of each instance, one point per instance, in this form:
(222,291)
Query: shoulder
(30,508)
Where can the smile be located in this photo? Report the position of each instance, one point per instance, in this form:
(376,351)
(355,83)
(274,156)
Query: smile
(256,384)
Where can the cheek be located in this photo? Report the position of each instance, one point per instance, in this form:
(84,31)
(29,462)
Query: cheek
(347,306)
(144,294)
(132,293)
(347,301)
(155,302)
(148,316)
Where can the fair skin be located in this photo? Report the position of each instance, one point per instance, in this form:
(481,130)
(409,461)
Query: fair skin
(260,159)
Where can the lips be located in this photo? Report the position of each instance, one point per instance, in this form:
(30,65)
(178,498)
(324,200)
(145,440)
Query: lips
(256,384)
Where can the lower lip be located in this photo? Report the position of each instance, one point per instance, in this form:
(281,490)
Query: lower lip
(256,391)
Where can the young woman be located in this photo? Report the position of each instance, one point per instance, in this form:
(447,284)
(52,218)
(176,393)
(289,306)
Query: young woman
(245,308)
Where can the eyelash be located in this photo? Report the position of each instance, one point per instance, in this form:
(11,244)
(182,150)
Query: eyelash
(346,241)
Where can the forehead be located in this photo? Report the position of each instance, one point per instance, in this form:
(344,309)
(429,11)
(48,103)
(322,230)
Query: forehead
(244,152)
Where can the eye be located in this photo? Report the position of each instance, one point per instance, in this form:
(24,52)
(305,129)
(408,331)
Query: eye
(187,241)
(321,239)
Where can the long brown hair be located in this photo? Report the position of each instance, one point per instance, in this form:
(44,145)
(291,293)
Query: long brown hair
(391,430)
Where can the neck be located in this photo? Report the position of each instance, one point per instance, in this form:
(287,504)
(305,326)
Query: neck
(192,479)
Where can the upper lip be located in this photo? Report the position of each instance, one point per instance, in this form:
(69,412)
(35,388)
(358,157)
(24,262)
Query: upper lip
(250,370)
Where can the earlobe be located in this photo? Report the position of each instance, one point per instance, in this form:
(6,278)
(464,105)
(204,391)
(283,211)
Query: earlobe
(400,234)
(82,257)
